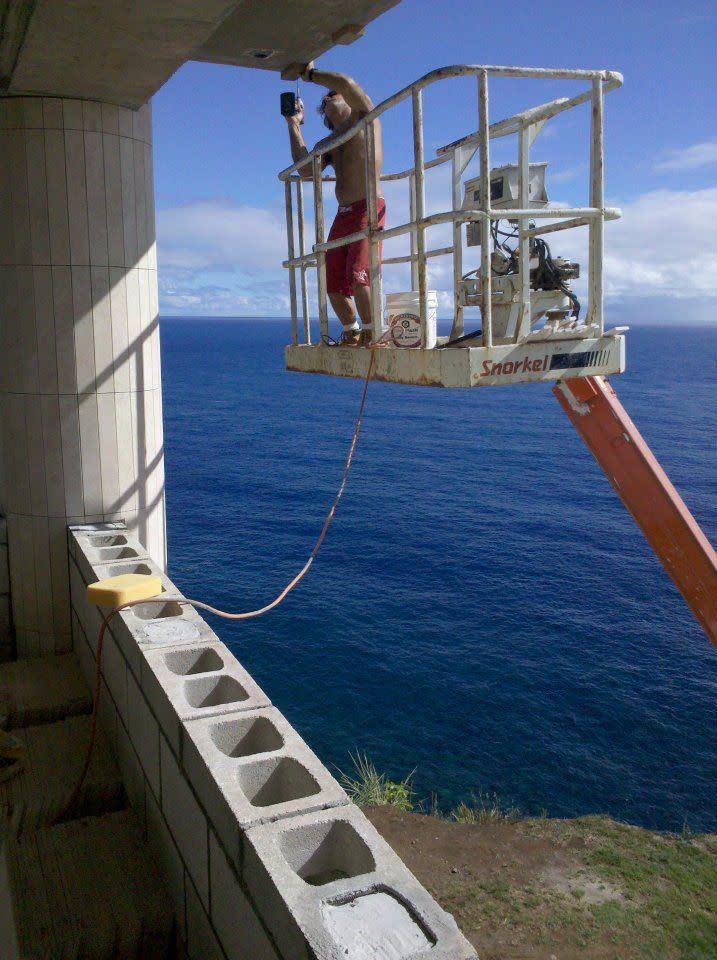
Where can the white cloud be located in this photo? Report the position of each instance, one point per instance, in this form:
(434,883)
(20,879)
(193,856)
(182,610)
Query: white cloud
(225,259)
(689,158)
(223,237)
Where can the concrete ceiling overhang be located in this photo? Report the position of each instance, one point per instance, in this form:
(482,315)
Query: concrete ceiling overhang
(122,51)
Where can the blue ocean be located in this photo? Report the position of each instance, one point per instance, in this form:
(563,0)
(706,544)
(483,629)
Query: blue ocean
(483,610)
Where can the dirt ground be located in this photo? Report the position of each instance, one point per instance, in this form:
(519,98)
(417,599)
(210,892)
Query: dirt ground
(551,890)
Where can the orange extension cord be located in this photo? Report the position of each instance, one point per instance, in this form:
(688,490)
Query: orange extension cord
(246,615)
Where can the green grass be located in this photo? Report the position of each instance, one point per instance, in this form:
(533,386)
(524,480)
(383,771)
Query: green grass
(669,880)
(661,888)
(486,808)
(369,788)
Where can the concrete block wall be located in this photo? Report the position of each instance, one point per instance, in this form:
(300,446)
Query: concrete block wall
(6,638)
(264,855)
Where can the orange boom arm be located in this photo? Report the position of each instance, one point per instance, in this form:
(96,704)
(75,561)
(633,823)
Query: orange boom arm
(646,490)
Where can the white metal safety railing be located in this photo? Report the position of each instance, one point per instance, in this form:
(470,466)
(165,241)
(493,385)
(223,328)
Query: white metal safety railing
(459,154)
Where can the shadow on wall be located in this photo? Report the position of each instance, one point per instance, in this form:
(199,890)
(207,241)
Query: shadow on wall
(80,384)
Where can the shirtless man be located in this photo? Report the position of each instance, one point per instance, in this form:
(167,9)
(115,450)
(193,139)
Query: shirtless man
(347,268)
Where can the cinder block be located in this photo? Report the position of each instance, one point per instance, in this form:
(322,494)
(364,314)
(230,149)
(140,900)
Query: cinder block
(197,681)
(5,618)
(4,570)
(144,733)
(240,931)
(94,548)
(77,531)
(164,852)
(323,882)
(253,767)
(166,624)
(88,615)
(127,644)
(132,774)
(201,941)
(83,651)
(114,672)
(186,821)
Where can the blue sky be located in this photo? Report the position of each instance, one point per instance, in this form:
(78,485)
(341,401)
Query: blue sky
(219,143)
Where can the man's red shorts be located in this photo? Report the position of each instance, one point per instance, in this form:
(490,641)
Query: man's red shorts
(348,265)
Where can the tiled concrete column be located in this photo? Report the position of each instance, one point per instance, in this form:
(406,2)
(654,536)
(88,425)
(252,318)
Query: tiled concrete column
(80,392)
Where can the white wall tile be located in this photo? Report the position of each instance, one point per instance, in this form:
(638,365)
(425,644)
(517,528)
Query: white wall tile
(84,329)
(129,206)
(58,222)
(10,332)
(32,112)
(37,194)
(90,446)
(59,573)
(35,455)
(52,118)
(125,122)
(77,197)
(140,189)
(43,574)
(16,463)
(71,455)
(52,446)
(113,186)
(7,245)
(64,329)
(92,115)
(17,161)
(27,357)
(13,112)
(96,198)
(102,328)
(72,114)
(110,118)
(120,336)
(126,453)
(77,192)
(108,450)
(45,329)
(24,590)
(134,345)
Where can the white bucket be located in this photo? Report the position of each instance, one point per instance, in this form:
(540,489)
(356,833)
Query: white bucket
(403,314)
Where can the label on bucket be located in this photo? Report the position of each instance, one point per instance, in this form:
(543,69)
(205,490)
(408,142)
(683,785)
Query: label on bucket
(405,330)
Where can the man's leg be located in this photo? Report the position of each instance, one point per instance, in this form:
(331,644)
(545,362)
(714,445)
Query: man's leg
(343,308)
(358,272)
(362,298)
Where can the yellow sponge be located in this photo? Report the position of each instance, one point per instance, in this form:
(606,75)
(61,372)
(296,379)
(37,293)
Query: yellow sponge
(114,591)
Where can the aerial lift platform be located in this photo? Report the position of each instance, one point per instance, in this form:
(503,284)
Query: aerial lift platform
(531,328)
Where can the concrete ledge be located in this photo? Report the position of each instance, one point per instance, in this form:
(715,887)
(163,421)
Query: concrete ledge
(335,889)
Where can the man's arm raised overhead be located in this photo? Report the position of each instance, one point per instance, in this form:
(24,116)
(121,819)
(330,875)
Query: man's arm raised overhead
(353,94)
